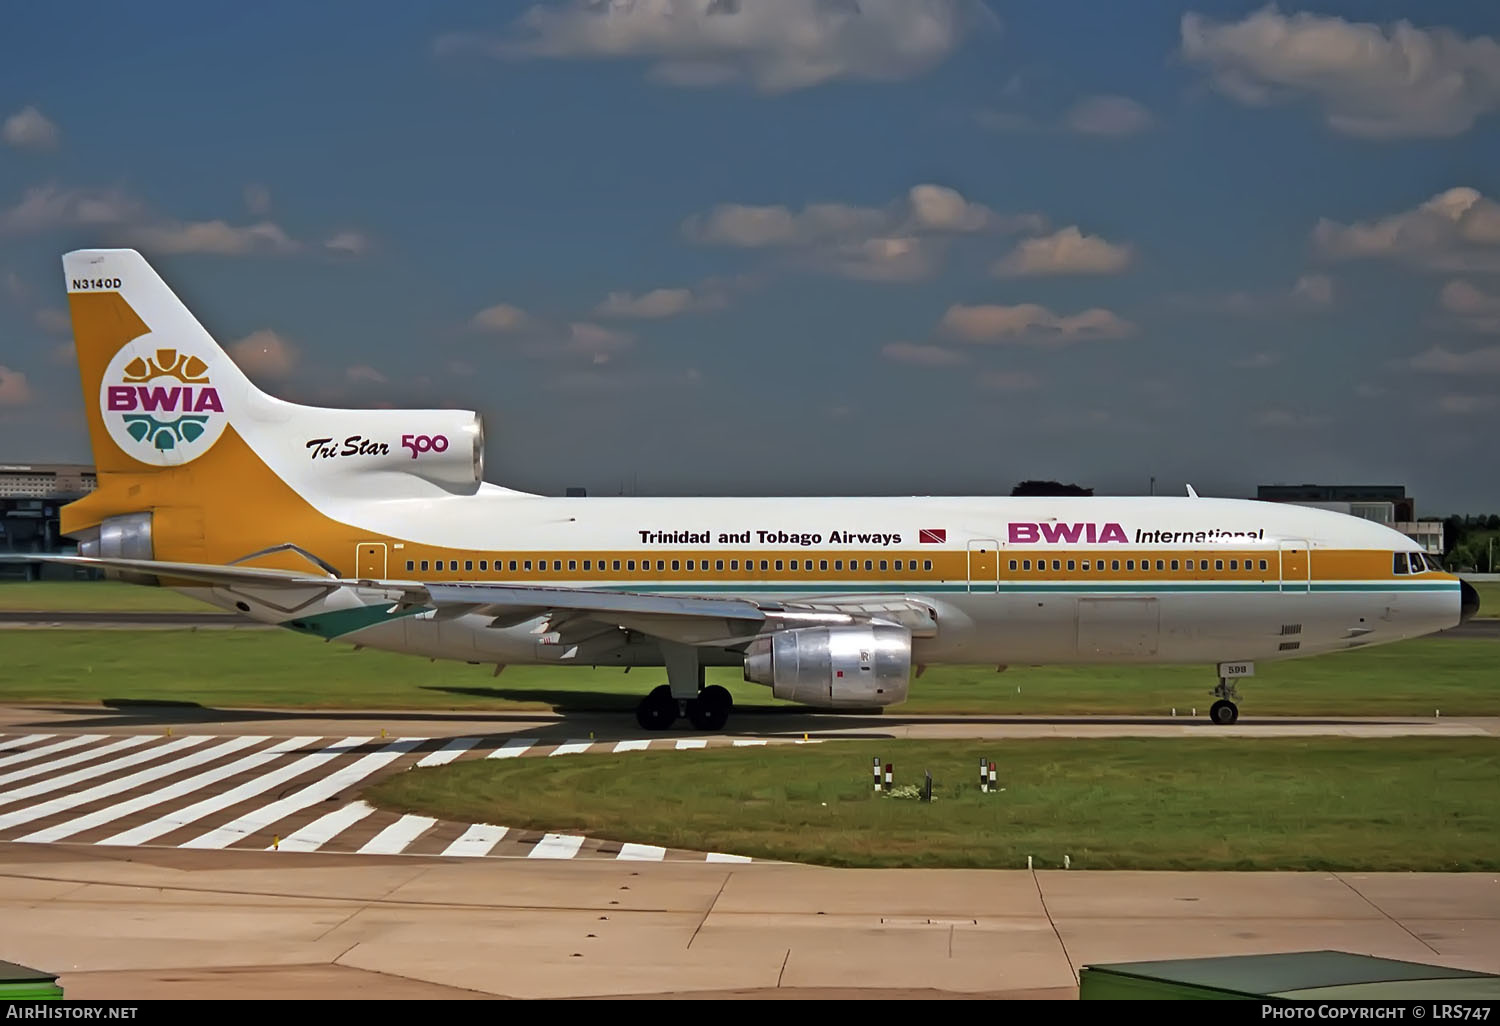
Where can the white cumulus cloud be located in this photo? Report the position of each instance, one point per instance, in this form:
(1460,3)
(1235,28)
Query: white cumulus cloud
(353,243)
(217,237)
(45,207)
(775,45)
(264,354)
(927,356)
(1456,230)
(902,240)
(1068,251)
(29,129)
(500,317)
(1443,361)
(1108,115)
(1370,81)
(14,391)
(1032,324)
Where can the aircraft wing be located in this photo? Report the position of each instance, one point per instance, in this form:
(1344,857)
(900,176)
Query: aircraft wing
(687,619)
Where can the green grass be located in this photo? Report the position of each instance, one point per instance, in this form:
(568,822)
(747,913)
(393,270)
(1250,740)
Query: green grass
(1325,804)
(274,668)
(95,597)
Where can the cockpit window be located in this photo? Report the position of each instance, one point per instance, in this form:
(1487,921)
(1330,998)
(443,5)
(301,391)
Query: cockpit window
(1400,566)
(1418,562)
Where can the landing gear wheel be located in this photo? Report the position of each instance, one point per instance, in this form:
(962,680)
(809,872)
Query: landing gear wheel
(1224,712)
(658,710)
(710,710)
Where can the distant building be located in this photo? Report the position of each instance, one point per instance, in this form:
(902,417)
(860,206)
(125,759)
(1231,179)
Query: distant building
(1384,504)
(31,495)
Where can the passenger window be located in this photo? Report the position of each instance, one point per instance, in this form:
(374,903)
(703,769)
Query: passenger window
(882,564)
(1234,564)
(1218,564)
(572,564)
(734,564)
(822,564)
(1013,564)
(1174,564)
(513,565)
(1263,564)
(690,564)
(411,564)
(1400,563)
(676,565)
(630,564)
(588,564)
(424,564)
(718,564)
(1130,564)
(1114,564)
(794,564)
(764,565)
(926,564)
(1071,564)
(1026,564)
(778,564)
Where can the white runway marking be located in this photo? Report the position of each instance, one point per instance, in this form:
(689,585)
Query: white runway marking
(294,774)
(320,831)
(78,776)
(59,746)
(477,840)
(642,852)
(17,742)
(394,838)
(249,789)
(511,749)
(452,750)
(145,801)
(556,846)
(268,815)
(742,742)
(94,753)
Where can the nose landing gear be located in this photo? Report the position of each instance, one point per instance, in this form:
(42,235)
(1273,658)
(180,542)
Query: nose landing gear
(1224,711)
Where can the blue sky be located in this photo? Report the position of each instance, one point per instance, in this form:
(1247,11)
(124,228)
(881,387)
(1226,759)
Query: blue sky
(899,247)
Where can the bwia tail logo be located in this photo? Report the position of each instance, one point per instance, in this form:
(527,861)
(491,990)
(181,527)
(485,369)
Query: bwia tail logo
(160,404)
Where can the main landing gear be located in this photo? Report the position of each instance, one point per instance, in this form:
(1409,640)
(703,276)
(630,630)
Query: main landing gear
(707,708)
(709,711)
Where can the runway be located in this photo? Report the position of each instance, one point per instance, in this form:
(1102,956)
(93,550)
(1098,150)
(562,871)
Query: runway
(233,857)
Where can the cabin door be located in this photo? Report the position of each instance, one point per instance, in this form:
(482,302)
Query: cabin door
(1296,565)
(984,565)
(369,558)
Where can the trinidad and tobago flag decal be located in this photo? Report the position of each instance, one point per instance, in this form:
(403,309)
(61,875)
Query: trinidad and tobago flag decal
(932,536)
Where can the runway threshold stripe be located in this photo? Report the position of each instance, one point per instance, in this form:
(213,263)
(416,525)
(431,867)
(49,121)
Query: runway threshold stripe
(556,846)
(632,746)
(573,747)
(320,831)
(715,856)
(182,817)
(17,742)
(691,743)
(516,746)
(268,815)
(477,840)
(69,779)
(452,750)
(60,746)
(145,801)
(394,838)
(642,852)
(56,764)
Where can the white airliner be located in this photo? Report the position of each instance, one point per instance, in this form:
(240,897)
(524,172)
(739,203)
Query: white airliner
(375,527)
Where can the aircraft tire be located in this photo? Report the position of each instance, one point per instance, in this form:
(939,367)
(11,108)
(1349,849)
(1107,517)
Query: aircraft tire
(710,710)
(1224,712)
(658,710)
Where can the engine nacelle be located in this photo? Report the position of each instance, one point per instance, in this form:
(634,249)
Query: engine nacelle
(445,447)
(834,666)
(123,537)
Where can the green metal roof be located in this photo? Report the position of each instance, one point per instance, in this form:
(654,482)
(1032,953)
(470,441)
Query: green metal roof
(1314,974)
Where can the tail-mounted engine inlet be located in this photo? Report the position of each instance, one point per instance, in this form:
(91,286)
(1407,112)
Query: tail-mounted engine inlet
(127,536)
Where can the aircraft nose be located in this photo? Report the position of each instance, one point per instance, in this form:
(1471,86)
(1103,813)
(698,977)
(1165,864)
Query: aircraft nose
(1468,601)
